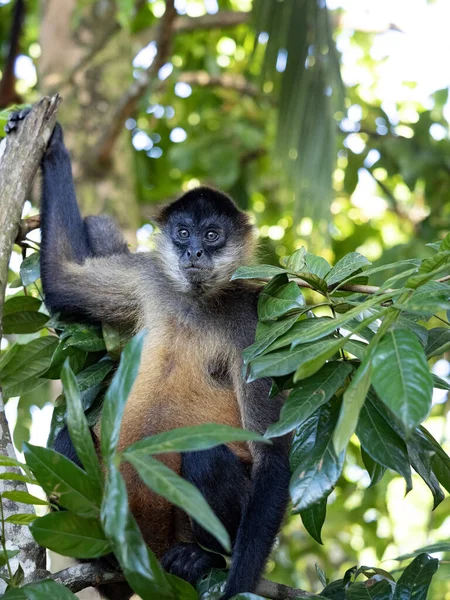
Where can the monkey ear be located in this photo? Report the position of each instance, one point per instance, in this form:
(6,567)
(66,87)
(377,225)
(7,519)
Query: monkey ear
(161,217)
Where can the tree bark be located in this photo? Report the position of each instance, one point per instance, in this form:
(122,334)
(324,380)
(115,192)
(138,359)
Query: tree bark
(20,155)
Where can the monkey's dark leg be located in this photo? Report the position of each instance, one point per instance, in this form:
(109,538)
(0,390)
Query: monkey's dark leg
(261,519)
(223,480)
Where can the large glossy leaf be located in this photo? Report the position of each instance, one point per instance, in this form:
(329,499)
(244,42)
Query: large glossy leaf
(197,437)
(429,269)
(257,272)
(181,493)
(345,267)
(313,519)
(321,352)
(285,362)
(279,298)
(353,399)
(317,265)
(18,304)
(24,322)
(24,497)
(88,339)
(117,395)
(42,590)
(440,460)
(420,456)
(19,375)
(401,377)
(438,341)
(416,578)
(381,442)
(76,357)
(94,374)
(70,535)
(370,590)
(139,564)
(63,481)
(79,431)
(317,465)
(274,331)
(295,334)
(308,395)
(374,469)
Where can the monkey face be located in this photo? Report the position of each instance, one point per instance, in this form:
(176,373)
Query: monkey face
(205,238)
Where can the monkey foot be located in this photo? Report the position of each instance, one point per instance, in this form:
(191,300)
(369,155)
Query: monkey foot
(190,562)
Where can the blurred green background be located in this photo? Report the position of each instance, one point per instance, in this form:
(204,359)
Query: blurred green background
(328,121)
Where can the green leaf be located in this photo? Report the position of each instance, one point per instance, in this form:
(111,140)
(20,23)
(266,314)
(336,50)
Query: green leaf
(438,341)
(430,549)
(70,535)
(76,357)
(308,395)
(445,244)
(18,304)
(30,269)
(353,399)
(421,332)
(42,590)
(313,519)
(440,384)
(24,497)
(257,272)
(370,590)
(279,298)
(296,261)
(416,578)
(317,467)
(63,481)
(19,376)
(181,493)
(88,339)
(118,393)
(8,476)
(94,374)
(381,442)
(317,265)
(24,322)
(274,332)
(285,362)
(318,284)
(429,269)
(9,553)
(440,461)
(345,267)
(401,377)
(197,437)
(321,352)
(295,334)
(374,469)
(420,456)
(138,563)
(79,431)
(21,518)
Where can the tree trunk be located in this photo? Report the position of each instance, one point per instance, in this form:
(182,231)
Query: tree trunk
(90,96)
(20,155)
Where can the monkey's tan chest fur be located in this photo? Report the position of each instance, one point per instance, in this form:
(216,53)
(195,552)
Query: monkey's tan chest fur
(176,387)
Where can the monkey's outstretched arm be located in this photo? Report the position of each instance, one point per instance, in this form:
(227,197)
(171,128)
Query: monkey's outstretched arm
(75,278)
(269,495)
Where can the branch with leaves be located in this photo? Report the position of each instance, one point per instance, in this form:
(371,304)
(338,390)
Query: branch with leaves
(20,156)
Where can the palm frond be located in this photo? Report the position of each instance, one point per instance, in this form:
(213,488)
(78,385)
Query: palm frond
(309,90)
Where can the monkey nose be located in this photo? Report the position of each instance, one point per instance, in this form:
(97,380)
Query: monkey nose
(196,253)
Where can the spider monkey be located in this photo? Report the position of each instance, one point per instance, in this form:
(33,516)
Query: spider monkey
(198,323)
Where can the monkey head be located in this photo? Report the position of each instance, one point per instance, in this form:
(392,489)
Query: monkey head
(204,238)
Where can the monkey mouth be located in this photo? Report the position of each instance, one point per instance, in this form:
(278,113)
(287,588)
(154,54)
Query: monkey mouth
(196,274)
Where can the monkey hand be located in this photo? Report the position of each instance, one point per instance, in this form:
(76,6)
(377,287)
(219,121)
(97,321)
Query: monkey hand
(15,118)
(19,115)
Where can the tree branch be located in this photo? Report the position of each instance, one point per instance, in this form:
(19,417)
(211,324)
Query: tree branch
(222,20)
(85,575)
(20,155)
(127,103)
(226,80)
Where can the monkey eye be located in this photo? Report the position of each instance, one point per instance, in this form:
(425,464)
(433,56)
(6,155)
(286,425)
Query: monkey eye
(183,234)
(211,236)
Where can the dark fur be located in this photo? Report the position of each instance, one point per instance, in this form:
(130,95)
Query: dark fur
(88,271)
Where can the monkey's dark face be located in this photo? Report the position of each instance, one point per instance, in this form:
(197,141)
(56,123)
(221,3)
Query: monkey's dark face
(205,238)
